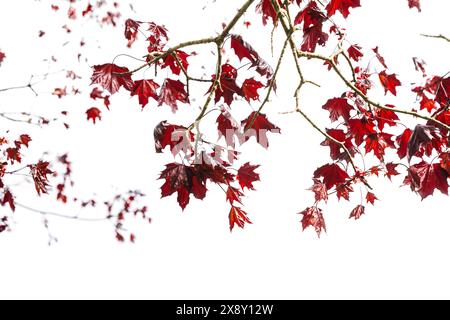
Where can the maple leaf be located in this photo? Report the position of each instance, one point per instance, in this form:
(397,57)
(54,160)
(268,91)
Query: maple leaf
(445,161)
(421,135)
(39,173)
(178,178)
(234,194)
(157,30)
(112,77)
(341,5)
(172,91)
(2,57)
(228,87)
(424,178)
(391,170)
(335,148)
(312,37)
(131,30)
(443,92)
(171,61)
(338,107)
(145,89)
(247,175)
(8,198)
(414,3)
(389,82)
(258,125)
(379,57)
(267,10)
(403,141)
(357,212)
(320,190)
(370,198)
(177,137)
(332,175)
(360,128)
(250,89)
(384,116)
(96,93)
(354,52)
(227,126)
(313,217)
(94,114)
(378,142)
(238,217)
(243,49)
(25,139)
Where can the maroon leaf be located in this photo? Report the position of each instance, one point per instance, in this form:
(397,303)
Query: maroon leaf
(354,52)
(171,62)
(341,5)
(250,89)
(357,212)
(172,91)
(313,217)
(332,175)
(421,135)
(414,3)
(389,82)
(338,107)
(424,178)
(94,114)
(247,175)
(258,125)
(177,137)
(238,217)
(112,77)
(145,89)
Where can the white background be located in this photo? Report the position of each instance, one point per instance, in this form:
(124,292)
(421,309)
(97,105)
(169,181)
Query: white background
(399,249)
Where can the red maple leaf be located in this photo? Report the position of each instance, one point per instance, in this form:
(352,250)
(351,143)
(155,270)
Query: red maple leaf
(378,142)
(227,87)
(336,150)
(313,217)
(389,82)
(360,128)
(354,52)
(443,92)
(243,49)
(341,5)
(424,178)
(384,116)
(332,175)
(172,62)
(250,89)
(258,125)
(427,104)
(25,139)
(8,198)
(234,194)
(131,30)
(112,77)
(157,30)
(370,198)
(177,137)
(2,57)
(178,178)
(312,18)
(96,93)
(445,161)
(173,91)
(267,10)
(94,114)
(312,37)
(247,175)
(379,57)
(357,212)
(421,135)
(39,173)
(145,89)
(227,127)
(320,190)
(391,170)
(402,141)
(414,3)
(338,107)
(238,217)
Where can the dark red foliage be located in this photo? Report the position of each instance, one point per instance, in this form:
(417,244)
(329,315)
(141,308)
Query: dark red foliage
(331,174)
(112,77)
(424,178)
(313,217)
(246,176)
(258,125)
(145,89)
(177,137)
(94,114)
(338,107)
(172,92)
(238,217)
(227,87)
(357,212)
(414,3)
(341,5)
(389,82)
